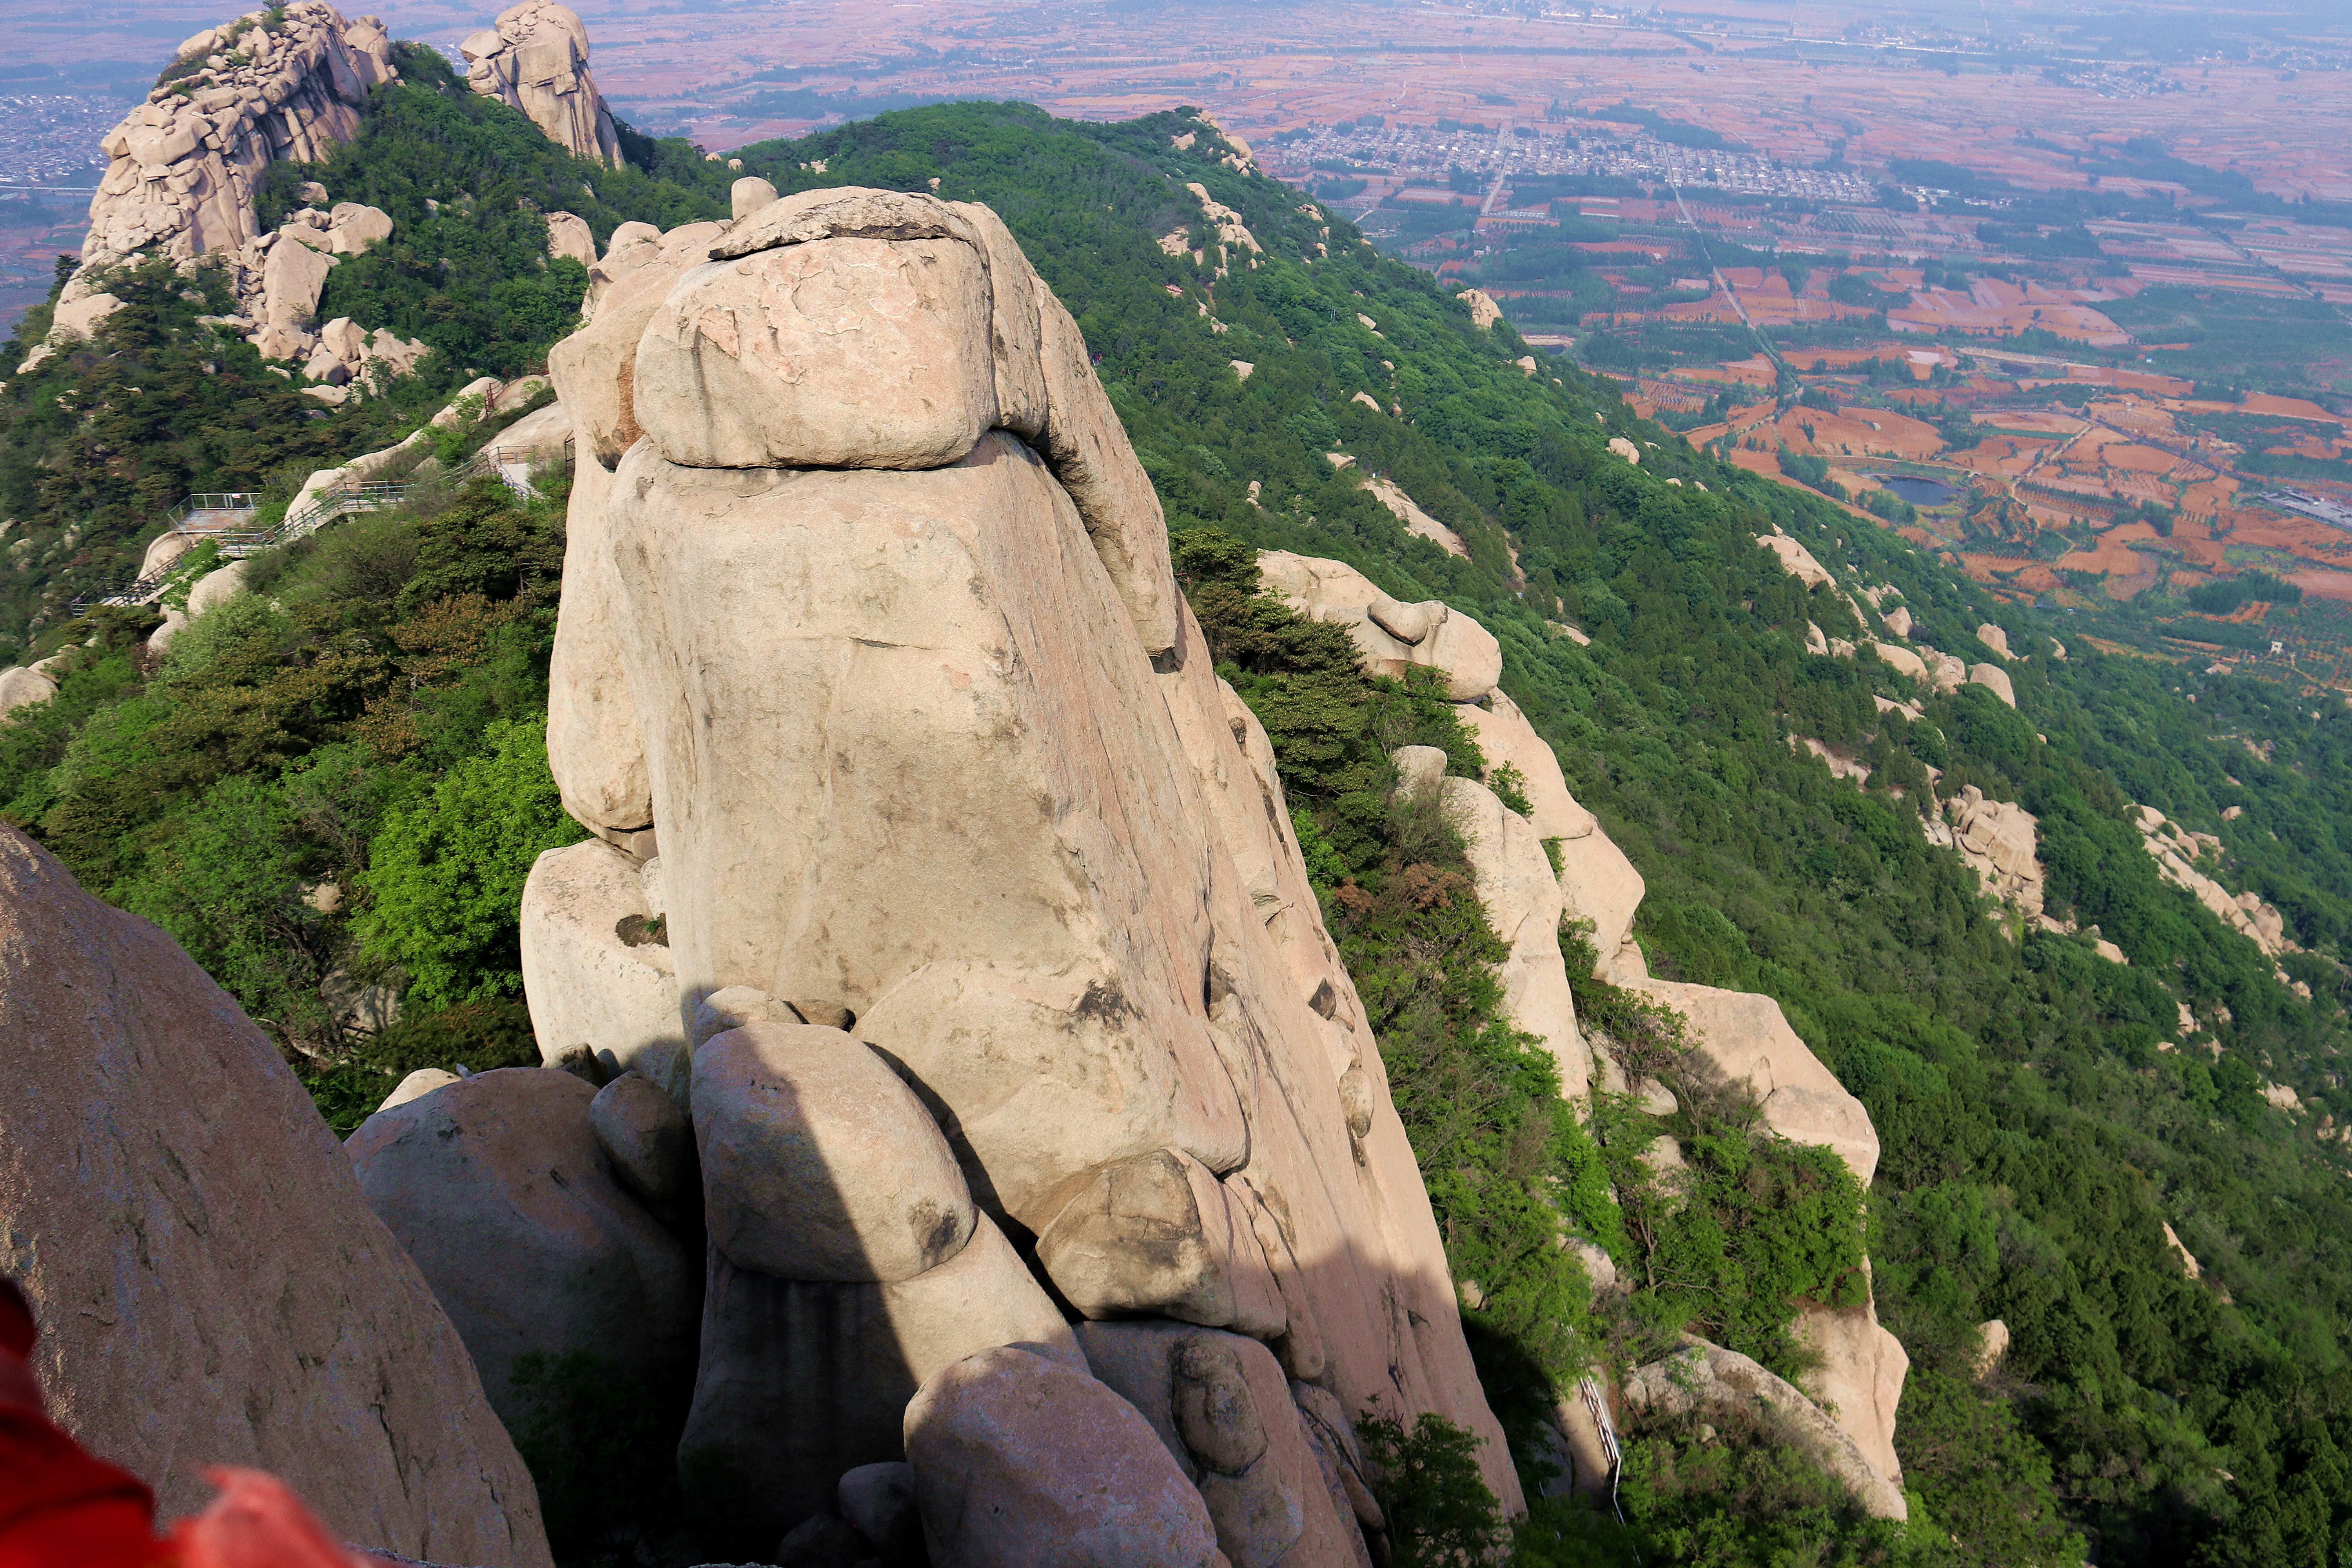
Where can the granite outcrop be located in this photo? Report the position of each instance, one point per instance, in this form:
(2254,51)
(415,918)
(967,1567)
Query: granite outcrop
(535,58)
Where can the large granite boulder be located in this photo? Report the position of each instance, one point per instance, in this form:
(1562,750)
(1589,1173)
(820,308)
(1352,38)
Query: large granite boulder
(594,969)
(1219,1406)
(821,1164)
(1392,636)
(976,678)
(1708,1380)
(1023,1462)
(212,1285)
(503,1194)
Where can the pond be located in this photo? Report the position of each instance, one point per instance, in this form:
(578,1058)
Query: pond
(1919,491)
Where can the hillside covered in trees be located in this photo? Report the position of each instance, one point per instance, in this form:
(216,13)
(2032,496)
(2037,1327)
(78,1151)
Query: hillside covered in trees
(369,719)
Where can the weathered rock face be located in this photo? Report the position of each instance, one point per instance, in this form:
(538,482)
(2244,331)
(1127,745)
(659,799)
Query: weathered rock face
(972,677)
(2178,854)
(1021,1462)
(1796,558)
(822,1165)
(289,92)
(1523,903)
(1392,638)
(212,1287)
(1746,1038)
(593,975)
(1219,1406)
(1743,1037)
(802,1380)
(1859,1377)
(499,1189)
(1597,883)
(536,59)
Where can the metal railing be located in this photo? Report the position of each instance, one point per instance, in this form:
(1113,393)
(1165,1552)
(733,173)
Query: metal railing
(194,516)
(512,466)
(236,543)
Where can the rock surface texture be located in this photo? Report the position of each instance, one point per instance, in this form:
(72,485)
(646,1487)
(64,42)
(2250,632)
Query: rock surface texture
(884,649)
(212,1287)
(535,58)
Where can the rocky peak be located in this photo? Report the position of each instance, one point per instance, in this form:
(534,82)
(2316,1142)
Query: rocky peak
(184,163)
(536,59)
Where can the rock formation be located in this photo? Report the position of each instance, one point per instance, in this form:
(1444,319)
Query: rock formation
(944,887)
(213,1290)
(1706,1378)
(2177,852)
(179,183)
(1742,1037)
(1996,839)
(535,58)
(504,1196)
(1392,638)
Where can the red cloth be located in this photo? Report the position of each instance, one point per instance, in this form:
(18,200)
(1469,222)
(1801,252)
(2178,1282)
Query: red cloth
(59,1508)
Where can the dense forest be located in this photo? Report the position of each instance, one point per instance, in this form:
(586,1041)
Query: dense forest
(371,724)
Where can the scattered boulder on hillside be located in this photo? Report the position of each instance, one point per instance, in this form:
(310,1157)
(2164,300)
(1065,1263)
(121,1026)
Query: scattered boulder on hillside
(1484,311)
(1796,558)
(535,58)
(1391,637)
(954,658)
(22,686)
(1995,679)
(2179,854)
(1708,1380)
(503,1194)
(749,194)
(212,1287)
(1997,840)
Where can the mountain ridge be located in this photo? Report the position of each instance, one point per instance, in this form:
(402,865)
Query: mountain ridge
(1982,1050)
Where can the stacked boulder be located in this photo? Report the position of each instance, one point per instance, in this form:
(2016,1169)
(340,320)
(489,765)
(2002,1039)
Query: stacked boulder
(1743,1037)
(535,58)
(944,890)
(183,165)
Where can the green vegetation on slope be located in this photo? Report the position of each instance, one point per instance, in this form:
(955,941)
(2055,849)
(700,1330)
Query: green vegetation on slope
(2036,1140)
